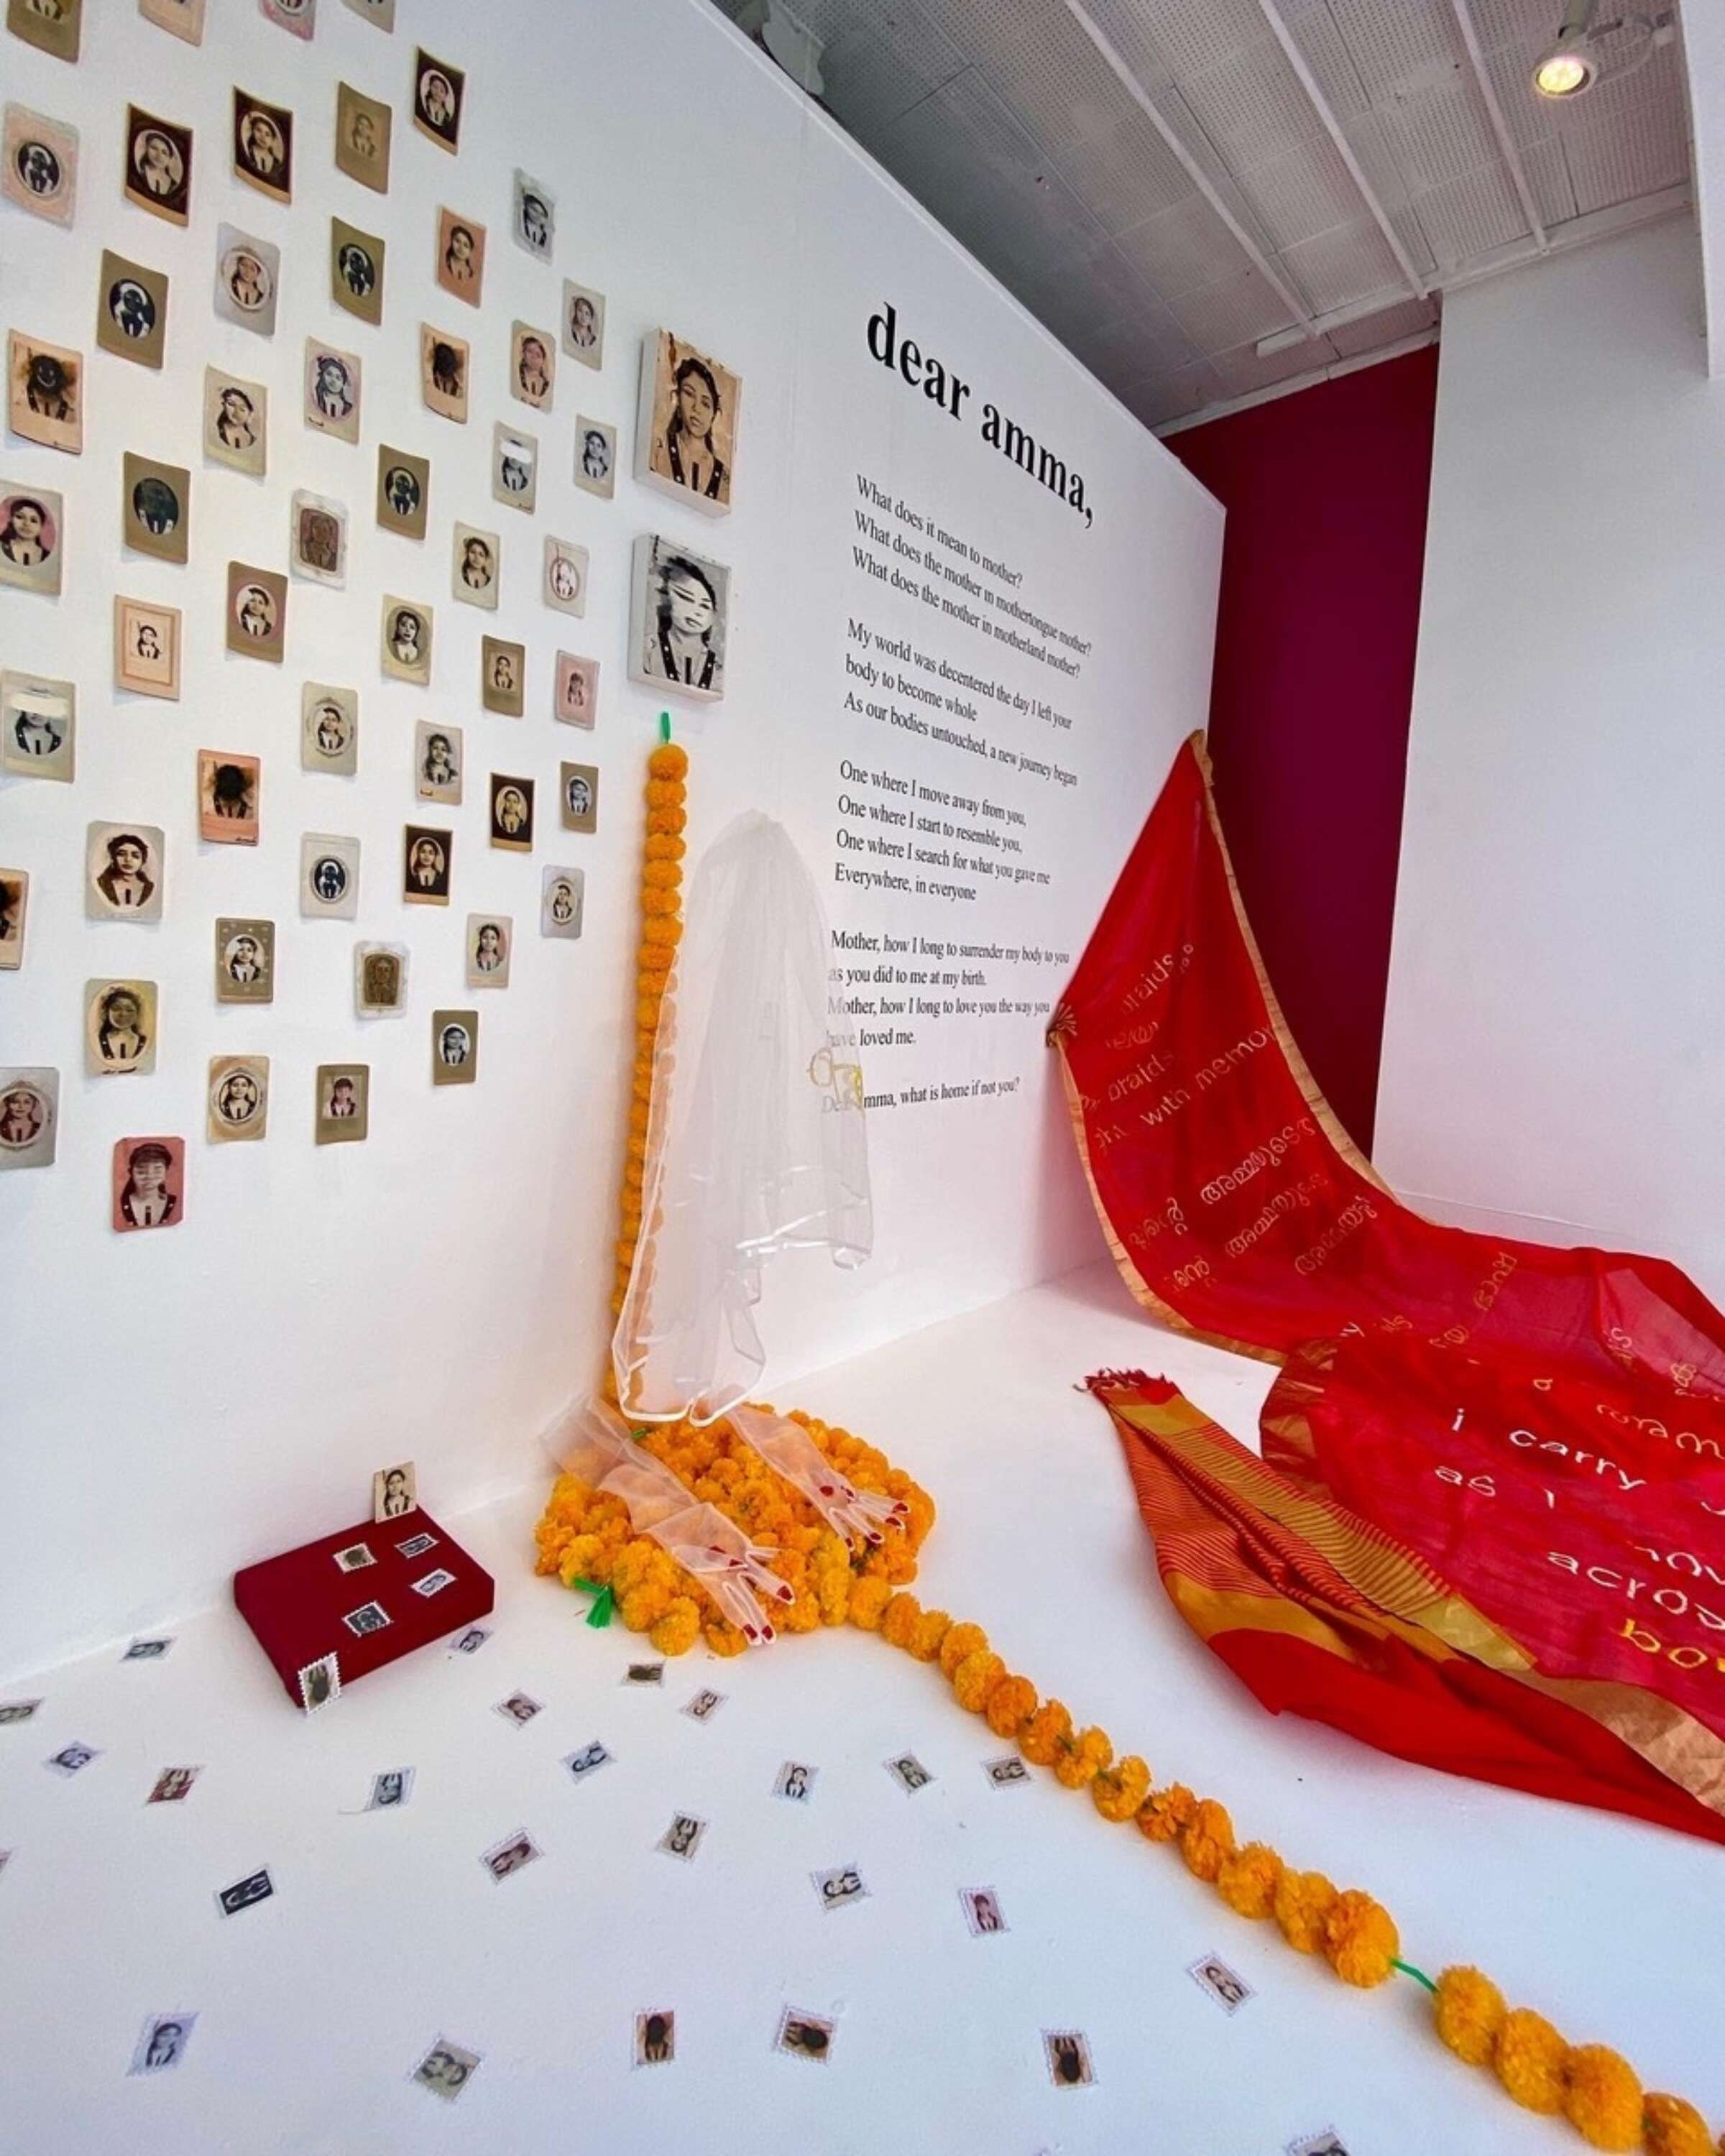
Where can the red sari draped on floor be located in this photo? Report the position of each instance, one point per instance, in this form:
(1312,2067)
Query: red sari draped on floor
(1487,1530)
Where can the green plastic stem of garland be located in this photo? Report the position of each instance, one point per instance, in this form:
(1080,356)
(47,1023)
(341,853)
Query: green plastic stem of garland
(1419,1975)
(600,1613)
(665,725)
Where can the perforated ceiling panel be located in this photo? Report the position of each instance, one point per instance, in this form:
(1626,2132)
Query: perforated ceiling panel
(1007,121)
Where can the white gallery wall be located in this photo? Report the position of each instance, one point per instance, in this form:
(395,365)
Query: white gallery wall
(177,1403)
(1554,1044)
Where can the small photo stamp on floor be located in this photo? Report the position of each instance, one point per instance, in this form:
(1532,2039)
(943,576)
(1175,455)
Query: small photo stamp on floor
(982,1911)
(655,2038)
(645,1673)
(471,1641)
(255,1887)
(1008,1773)
(704,1705)
(795,1782)
(434,1583)
(162,2043)
(804,2036)
(354,1558)
(1211,1973)
(519,1708)
(587,1760)
(369,1617)
(1328,2143)
(319,1682)
(446,2069)
(72,1758)
(417,1545)
(908,1771)
(146,1650)
(390,1789)
(510,1854)
(1068,2061)
(682,1837)
(173,1785)
(16,1709)
(840,1886)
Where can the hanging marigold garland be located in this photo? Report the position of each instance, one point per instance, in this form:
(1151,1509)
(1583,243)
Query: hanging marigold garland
(586,1537)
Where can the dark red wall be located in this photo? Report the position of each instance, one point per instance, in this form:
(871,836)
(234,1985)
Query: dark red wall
(1326,493)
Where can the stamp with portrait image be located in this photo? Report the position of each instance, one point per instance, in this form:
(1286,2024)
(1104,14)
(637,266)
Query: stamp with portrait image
(39,164)
(44,392)
(357,260)
(123,865)
(330,390)
(245,960)
(329,729)
(155,507)
(454,1047)
(263,145)
(257,611)
(403,491)
(32,531)
(29,1116)
(237,1098)
(159,166)
(147,648)
(363,128)
(131,311)
(248,280)
(236,416)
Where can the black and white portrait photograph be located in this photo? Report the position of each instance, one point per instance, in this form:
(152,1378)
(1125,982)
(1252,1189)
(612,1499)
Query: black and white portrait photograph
(679,618)
(120,1027)
(519,1708)
(39,731)
(32,526)
(578,796)
(682,1837)
(131,311)
(576,698)
(511,813)
(162,2042)
(503,675)
(159,166)
(406,641)
(438,91)
(476,567)
(561,893)
(363,126)
(491,942)
(535,223)
(298,18)
(563,586)
(317,539)
(14,917)
(443,373)
(390,1789)
(237,1098)
(356,271)
(39,164)
(427,860)
(403,491)
(595,457)
(329,877)
(235,421)
(532,365)
(686,436)
(29,1116)
(329,729)
(180,18)
(245,960)
(123,872)
(331,390)
(434,1582)
(147,648)
(447,2068)
(72,1758)
(263,145)
(459,264)
(584,324)
(44,392)
(155,507)
(257,611)
(795,1782)
(454,1047)
(515,466)
(248,278)
(380,979)
(343,1102)
(53,27)
(395,1491)
(437,758)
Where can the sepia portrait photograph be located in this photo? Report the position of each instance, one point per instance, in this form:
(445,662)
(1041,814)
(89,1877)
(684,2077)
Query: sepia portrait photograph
(257,611)
(149,1183)
(119,1027)
(459,263)
(329,729)
(235,417)
(237,1098)
(363,132)
(438,755)
(532,365)
(679,618)
(454,1047)
(331,390)
(317,539)
(159,166)
(561,892)
(515,466)
(52,27)
(14,912)
(503,676)
(131,311)
(229,787)
(427,858)
(395,1491)
(380,979)
(406,641)
(535,223)
(37,727)
(29,1116)
(122,872)
(180,18)
(155,507)
(343,1102)
(403,492)
(584,324)
(245,961)
(32,522)
(263,145)
(380,12)
(490,939)
(356,271)
(147,648)
(595,457)
(564,584)
(329,877)
(247,276)
(438,91)
(477,562)
(39,171)
(443,373)
(298,18)
(685,435)
(578,796)
(511,813)
(44,392)
(576,699)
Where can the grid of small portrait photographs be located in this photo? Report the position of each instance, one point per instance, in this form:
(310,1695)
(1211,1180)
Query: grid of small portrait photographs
(287,262)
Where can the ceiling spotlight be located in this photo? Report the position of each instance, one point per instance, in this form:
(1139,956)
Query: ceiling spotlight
(1571,66)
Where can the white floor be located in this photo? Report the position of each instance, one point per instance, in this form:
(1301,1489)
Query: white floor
(385,1932)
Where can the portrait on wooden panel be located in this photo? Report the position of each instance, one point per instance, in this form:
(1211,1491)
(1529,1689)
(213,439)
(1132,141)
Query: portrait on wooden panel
(39,164)
(512,806)
(123,872)
(578,796)
(120,1024)
(561,893)
(343,1102)
(317,539)
(454,1047)
(37,727)
(406,641)
(357,260)
(149,1183)
(29,1116)
(595,457)
(576,700)
(564,584)
(245,960)
(147,648)
(679,618)
(181,18)
(159,166)
(329,877)
(685,437)
(235,421)
(248,280)
(427,860)
(459,264)
(155,507)
(490,943)
(237,1098)
(515,466)
(532,365)
(44,392)
(32,523)
(477,563)
(535,223)
(380,979)
(583,323)
(53,27)
(362,131)
(403,491)
(15,913)
(438,756)
(331,390)
(438,89)
(263,145)
(228,789)
(443,373)
(503,676)
(257,611)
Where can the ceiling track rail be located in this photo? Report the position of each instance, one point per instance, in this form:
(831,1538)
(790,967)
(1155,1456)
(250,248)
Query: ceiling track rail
(1500,128)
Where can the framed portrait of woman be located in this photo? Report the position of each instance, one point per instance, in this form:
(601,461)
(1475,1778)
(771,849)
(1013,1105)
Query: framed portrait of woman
(686,432)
